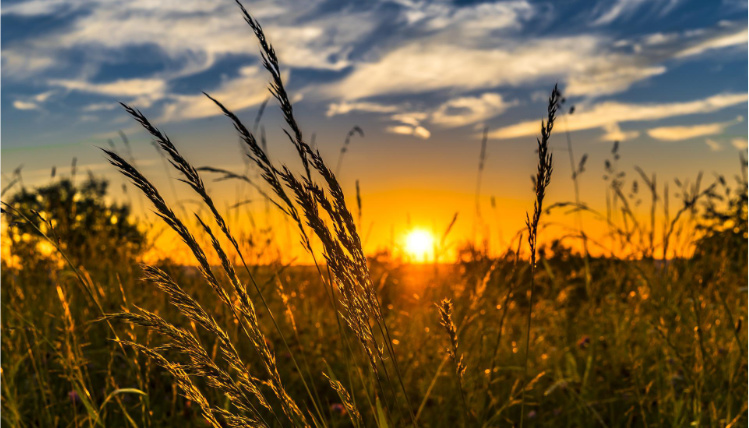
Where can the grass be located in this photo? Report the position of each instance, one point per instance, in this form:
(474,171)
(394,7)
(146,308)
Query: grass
(540,182)
(651,334)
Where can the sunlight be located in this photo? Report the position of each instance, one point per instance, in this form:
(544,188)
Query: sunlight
(420,245)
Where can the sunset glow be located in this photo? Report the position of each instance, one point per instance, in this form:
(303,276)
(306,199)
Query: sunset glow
(420,246)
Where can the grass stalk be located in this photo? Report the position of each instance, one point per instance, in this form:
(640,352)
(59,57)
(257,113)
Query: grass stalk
(542,179)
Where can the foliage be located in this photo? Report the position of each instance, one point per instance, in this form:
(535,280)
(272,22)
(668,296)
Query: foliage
(725,224)
(76,217)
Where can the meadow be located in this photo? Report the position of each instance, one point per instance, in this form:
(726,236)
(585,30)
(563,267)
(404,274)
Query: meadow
(646,328)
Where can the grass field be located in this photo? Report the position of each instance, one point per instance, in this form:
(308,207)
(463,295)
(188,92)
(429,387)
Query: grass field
(647,330)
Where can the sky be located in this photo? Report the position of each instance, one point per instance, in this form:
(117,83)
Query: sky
(666,78)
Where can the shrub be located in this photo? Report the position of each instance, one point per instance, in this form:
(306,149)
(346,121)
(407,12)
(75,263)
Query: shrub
(77,218)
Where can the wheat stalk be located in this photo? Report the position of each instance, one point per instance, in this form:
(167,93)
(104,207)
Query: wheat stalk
(541,181)
(445,309)
(353,131)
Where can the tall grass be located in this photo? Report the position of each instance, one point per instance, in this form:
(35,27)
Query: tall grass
(309,202)
(344,148)
(541,182)
(317,205)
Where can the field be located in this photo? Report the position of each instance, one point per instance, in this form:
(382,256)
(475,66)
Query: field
(646,328)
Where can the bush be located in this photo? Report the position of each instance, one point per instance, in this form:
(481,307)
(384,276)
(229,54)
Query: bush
(75,217)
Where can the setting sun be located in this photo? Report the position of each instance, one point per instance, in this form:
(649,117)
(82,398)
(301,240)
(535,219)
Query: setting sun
(419,245)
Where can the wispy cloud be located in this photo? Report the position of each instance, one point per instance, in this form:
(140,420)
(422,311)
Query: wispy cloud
(468,110)
(431,66)
(23,61)
(25,105)
(591,64)
(121,87)
(100,107)
(473,20)
(604,114)
(713,145)
(453,113)
(416,131)
(192,34)
(678,133)
(41,7)
(145,91)
(614,133)
(244,91)
(736,38)
(33,102)
(608,11)
(345,107)
(739,143)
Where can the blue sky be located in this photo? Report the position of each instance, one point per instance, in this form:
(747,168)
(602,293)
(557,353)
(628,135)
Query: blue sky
(415,67)
(668,78)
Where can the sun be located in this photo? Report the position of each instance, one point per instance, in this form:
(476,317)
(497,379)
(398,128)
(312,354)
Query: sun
(419,245)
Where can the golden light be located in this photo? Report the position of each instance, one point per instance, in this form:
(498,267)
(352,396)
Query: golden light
(420,245)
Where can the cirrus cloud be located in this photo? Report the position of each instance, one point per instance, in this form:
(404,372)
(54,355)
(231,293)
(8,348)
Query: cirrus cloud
(604,114)
(468,110)
(678,133)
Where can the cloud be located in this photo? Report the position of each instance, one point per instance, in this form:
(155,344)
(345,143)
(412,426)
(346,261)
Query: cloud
(236,94)
(455,112)
(245,90)
(44,96)
(677,133)
(25,105)
(470,21)
(190,37)
(737,38)
(100,107)
(122,87)
(194,34)
(345,107)
(624,9)
(606,113)
(739,143)
(431,66)
(714,145)
(87,118)
(467,110)
(410,118)
(410,124)
(611,81)
(615,133)
(23,61)
(416,131)
(590,64)
(141,92)
(33,102)
(40,7)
